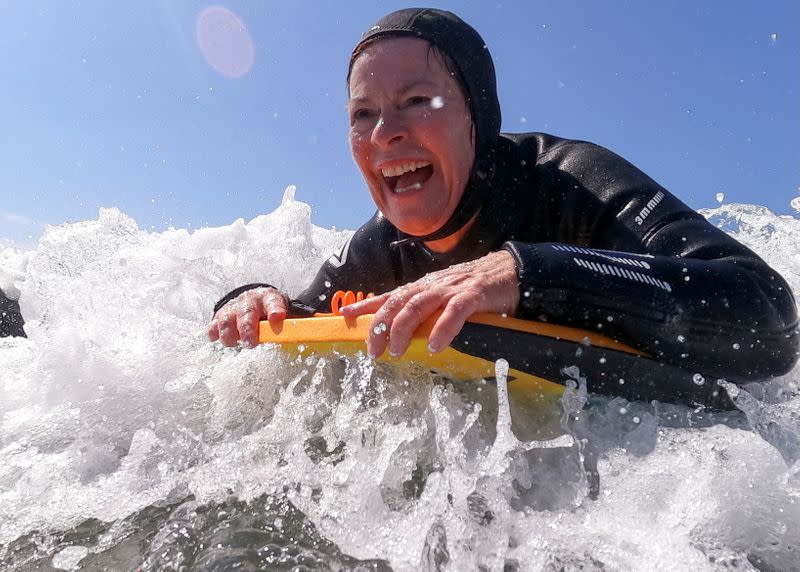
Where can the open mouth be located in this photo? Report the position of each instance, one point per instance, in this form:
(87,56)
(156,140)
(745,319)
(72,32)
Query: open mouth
(408,177)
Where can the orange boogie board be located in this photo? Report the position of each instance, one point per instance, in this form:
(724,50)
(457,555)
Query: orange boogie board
(542,357)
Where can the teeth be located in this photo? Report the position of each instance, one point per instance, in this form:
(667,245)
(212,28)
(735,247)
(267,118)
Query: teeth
(404,168)
(408,188)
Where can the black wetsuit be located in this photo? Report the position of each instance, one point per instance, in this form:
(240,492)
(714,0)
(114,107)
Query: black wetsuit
(10,317)
(601,246)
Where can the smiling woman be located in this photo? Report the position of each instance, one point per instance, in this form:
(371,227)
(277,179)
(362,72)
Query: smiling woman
(415,158)
(471,220)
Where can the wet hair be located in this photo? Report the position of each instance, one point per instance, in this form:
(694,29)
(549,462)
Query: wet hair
(467,58)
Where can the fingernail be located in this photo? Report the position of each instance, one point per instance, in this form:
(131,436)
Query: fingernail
(433,349)
(395,354)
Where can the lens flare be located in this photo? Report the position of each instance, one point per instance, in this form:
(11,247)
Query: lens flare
(224,41)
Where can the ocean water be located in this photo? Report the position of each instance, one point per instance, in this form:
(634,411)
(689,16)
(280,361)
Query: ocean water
(128,440)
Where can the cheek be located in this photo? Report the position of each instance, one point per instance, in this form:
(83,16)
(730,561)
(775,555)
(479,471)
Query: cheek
(359,150)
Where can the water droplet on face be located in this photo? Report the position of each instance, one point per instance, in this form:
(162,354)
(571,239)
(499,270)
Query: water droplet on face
(698,379)
(437,102)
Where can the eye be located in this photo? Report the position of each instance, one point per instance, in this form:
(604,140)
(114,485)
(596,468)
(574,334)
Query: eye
(415,100)
(361,114)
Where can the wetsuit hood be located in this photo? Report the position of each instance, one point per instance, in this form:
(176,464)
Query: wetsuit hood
(474,71)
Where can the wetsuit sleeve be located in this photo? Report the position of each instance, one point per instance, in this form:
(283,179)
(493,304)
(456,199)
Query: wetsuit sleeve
(11,321)
(296,309)
(663,280)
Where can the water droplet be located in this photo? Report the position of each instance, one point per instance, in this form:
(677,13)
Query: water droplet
(698,379)
(379,329)
(773,38)
(327,284)
(602,360)
(437,102)
(621,381)
(322,297)
(623,411)
(681,339)
(720,197)
(736,346)
(636,419)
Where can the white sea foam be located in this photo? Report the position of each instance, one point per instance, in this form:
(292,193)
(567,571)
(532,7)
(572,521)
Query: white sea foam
(117,402)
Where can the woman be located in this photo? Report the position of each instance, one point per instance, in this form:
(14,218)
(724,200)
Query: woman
(531,225)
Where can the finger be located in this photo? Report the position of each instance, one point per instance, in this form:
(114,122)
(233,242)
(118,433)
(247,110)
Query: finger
(228,334)
(452,319)
(413,313)
(366,306)
(247,323)
(213,331)
(275,307)
(378,336)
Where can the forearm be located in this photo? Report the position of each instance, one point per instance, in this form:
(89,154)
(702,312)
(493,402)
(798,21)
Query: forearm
(726,318)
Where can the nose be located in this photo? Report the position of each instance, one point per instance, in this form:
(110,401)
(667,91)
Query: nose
(390,128)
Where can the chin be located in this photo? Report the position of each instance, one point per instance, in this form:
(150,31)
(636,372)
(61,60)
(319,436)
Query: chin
(414,229)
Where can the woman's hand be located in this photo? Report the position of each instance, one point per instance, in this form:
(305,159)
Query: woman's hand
(238,319)
(488,284)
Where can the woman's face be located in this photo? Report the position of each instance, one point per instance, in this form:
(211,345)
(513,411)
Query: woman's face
(410,133)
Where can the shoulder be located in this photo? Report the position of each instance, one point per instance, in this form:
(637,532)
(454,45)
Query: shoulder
(585,164)
(544,148)
(377,232)
(370,242)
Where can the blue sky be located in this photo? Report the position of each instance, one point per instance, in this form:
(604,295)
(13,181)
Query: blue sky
(114,104)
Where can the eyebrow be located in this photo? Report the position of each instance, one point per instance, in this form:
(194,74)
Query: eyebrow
(406,88)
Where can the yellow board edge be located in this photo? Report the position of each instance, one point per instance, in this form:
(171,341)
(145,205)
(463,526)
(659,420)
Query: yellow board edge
(325,334)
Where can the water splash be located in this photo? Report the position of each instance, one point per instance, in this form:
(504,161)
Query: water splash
(126,438)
